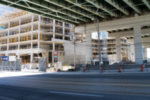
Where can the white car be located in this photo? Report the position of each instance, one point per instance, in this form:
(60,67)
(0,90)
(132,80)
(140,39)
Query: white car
(68,68)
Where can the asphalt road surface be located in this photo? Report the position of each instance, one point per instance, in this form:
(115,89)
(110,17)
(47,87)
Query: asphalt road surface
(76,87)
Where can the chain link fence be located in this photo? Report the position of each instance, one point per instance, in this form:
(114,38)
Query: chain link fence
(10,65)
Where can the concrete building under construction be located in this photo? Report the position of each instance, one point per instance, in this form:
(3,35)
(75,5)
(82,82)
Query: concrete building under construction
(29,36)
(113,50)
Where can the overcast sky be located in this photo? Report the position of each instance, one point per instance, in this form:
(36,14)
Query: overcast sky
(5,9)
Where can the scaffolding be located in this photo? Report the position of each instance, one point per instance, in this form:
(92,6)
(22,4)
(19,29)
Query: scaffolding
(28,35)
(109,49)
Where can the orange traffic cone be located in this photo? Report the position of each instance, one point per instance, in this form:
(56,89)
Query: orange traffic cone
(142,67)
(120,69)
(84,69)
(102,68)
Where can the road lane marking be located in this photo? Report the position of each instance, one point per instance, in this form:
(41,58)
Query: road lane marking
(77,94)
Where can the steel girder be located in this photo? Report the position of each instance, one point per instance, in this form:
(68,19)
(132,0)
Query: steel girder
(80,11)
(70,8)
(36,9)
(147,3)
(117,6)
(53,8)
(102,7)
(88,9)
(132,5)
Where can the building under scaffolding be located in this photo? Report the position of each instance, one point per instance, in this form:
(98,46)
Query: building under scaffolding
(29,36)
(112,49)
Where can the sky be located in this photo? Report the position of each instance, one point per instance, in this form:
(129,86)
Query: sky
(103,34)
(5,9)
(148,52)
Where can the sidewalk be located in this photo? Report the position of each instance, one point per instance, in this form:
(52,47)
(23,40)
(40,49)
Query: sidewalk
(88,72)
(15,74)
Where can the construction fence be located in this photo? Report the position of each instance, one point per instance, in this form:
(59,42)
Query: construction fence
(10,65)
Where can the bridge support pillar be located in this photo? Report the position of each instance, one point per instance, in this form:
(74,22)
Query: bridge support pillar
(118,48)
(138,45)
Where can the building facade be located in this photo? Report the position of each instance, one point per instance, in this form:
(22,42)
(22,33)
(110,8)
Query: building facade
(29,36)
(112,50)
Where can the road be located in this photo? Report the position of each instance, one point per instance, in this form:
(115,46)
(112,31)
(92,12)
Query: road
(76,87)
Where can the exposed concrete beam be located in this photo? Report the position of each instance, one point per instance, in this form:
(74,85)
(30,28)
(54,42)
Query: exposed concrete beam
(38,10)
(145,41)
(123,23)
(117,6)
(69,8)
(132,5)
(147,3)
(128,33)
(102,7)
(86,8)
(54,9)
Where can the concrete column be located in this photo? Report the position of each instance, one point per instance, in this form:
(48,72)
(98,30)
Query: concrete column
(138,45)
(19,33)
(118,49)
(0,46)
(32,20)
(18,56)
(63,30)
(54,28)
(31,58)
(39,31)
(8,39)
(53,51)
(89,48)
(145,53)
(129,52)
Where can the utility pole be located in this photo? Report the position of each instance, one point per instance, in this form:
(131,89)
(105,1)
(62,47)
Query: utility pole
(74,42)
(0,47)
(99,51)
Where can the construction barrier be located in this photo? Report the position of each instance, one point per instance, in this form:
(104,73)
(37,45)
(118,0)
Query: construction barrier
(10,65)
(43,64)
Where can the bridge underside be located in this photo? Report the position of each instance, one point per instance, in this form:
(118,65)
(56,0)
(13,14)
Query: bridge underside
(82,11)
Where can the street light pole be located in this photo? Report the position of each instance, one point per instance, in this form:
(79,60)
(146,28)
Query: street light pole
(74,53)
(0,47)
(99,51)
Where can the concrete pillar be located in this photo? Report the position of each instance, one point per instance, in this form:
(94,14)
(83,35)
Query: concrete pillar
(0,46)
(138,45)
(31,58)
(54,28)
(19,34)
(129,52)
(32,25)
(89,48)
(145,53)
(53,53)
(63,30)
(8,39)
(118,49)
(39,31)
(18,56)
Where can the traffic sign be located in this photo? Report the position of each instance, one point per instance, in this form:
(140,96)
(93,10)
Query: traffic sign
(5,58)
